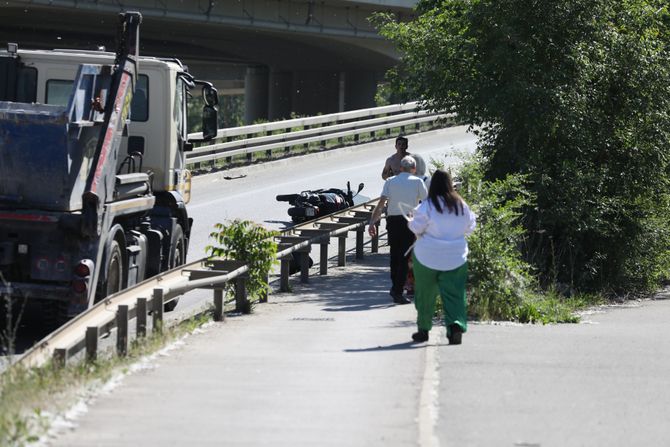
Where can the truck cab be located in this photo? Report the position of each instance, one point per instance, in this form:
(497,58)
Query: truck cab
(158,112)
(63,241)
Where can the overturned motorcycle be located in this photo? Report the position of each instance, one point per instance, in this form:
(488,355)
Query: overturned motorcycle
(312,204)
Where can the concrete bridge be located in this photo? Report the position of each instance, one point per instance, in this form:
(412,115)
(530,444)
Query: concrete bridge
(300,56)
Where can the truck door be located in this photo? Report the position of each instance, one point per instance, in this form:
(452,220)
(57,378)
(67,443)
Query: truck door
(182,177)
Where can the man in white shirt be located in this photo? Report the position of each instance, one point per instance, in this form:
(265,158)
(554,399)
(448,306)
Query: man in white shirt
(403,191)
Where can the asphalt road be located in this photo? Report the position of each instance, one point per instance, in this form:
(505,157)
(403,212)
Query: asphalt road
(250,192)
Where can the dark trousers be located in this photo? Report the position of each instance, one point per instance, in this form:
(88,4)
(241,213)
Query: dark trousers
(400,239)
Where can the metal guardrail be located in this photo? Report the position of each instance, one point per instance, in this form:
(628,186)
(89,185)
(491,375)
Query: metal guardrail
(115,312)
(268,137)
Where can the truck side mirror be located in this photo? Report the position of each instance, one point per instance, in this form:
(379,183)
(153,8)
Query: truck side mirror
(210,95)
(209,122)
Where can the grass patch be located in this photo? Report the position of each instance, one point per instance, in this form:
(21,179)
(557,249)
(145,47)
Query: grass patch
(551,307)
(29,396)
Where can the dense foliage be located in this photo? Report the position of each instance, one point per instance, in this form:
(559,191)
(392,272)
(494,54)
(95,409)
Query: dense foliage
(575,96)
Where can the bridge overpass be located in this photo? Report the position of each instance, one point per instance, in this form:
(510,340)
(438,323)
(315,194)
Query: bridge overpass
(285,56)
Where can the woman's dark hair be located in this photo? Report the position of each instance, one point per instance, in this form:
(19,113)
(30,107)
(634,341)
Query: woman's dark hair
(442,187)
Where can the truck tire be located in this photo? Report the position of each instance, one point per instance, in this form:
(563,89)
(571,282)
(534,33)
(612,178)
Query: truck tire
(113,273)
(177,257)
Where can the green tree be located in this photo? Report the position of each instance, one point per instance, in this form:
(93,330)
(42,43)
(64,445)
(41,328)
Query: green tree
(574,95)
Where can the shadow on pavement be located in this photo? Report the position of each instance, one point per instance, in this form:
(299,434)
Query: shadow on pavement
(363,288)
(395,347)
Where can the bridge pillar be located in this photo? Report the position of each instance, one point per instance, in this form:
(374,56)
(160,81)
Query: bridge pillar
(280,98)
(360,89)
(256,94)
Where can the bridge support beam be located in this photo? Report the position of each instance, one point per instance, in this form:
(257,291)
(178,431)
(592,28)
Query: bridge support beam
(256,94)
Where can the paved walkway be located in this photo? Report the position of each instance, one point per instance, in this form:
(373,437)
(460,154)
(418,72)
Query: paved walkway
(332,366)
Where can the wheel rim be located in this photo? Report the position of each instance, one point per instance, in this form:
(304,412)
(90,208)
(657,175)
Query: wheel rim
(177,254)
(114,274)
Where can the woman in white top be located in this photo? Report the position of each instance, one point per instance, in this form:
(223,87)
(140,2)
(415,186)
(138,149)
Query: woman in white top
(440,257)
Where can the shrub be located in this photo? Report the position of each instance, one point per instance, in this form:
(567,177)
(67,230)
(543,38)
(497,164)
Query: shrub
(245,241)
(499,278)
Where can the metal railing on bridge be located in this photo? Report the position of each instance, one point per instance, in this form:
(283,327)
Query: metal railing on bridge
(302,135)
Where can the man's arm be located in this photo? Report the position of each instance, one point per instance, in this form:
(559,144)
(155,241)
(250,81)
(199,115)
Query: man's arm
(387,171)
(376,216)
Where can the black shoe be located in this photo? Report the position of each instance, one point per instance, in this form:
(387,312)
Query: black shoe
(398,298)
(401,300)
(455,334)
(420,337)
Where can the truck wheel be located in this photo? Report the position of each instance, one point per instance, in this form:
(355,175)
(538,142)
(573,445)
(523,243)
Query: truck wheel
(177,257)
(114,273)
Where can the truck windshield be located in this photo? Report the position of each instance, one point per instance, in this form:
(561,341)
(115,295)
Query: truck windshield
(58,93)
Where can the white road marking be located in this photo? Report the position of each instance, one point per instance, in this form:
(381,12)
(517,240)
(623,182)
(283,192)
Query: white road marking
(429,399)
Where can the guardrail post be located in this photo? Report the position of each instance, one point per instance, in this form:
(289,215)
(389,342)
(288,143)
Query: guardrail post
(304,266)
(323,257)
(59,357)
(157,305)
(92,334)
(141,317)
(357,137)
(264,294)
(241,302)
(359,242)
(417,127)
(285,273)
(374,244)
(250,157)
(122,330)
(342,250)
(219,314)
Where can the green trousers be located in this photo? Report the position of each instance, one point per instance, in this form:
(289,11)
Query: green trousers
(450,285)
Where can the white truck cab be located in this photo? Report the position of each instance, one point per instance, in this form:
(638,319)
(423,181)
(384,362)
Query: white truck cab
(158,127)
(93,184)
